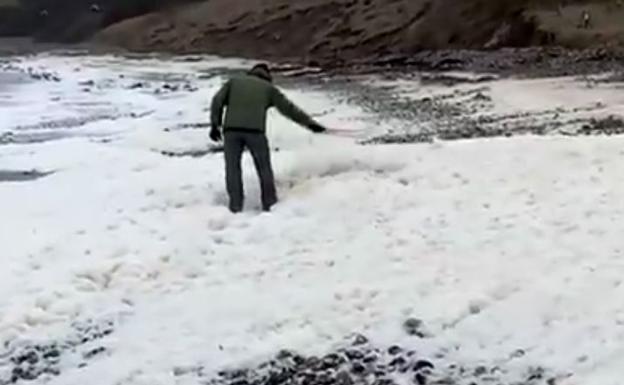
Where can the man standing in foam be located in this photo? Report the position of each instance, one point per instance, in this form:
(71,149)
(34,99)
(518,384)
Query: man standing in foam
(246,99)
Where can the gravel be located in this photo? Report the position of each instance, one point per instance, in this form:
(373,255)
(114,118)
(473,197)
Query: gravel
(31,360)
(359,362)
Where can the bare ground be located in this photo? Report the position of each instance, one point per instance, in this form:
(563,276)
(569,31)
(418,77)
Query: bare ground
(338,31)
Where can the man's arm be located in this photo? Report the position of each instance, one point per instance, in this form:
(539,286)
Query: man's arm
(218,104)
(292,112)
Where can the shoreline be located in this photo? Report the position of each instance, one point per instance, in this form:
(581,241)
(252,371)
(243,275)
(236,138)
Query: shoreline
(530,62)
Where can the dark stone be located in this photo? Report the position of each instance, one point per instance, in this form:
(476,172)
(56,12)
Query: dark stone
(535,374)
(277,378)
(354,354)
(52,353)
(372,357)
(482,97)
(298,359)
(394,350)
(331,361)
(170,87)
(398,361)
(94,352)
(359,339)
(383,381)
(324,378)
(420,379)
(480,371)
(358,368)
(32,358)
(423,364)
(52,371)
(284,354)
(313,362)
(343,378)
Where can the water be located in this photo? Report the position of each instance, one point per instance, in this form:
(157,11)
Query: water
(8,81)
(21,175)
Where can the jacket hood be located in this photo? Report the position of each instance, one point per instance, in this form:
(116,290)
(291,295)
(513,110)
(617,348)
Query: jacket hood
(262,71)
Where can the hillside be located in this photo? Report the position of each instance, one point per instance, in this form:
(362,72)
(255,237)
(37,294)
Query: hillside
(70,21)
(326,31)
(335,30)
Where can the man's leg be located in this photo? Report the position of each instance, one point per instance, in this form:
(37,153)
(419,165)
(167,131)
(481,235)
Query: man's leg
(259,147)
(233,149)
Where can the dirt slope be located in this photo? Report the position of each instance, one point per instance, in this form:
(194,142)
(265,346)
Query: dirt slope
(338,30)
(70,21)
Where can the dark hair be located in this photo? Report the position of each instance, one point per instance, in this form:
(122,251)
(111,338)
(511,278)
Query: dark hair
(262,71)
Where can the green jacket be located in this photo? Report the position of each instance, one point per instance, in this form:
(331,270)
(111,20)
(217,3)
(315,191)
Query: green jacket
(247,98)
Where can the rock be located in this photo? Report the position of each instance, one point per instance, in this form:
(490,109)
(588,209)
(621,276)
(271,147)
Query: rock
(354,354)
(423,364)
(394,350)
(535,374)
(298,359)
(480,371)
(137,85)
(180,371)
(343,378)
(383,381)
(170,87)
(94,352)
(51,353)
(398,361)
(358,368)
(420,379)
(343,367)
(412,327)
(30,357)
(313,362)
(277,378)
(331,361)
(479,96)
(284,354)
(476,307)
(359,339)
(370,358)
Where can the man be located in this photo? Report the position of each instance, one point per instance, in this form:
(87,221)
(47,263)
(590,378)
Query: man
(247,99)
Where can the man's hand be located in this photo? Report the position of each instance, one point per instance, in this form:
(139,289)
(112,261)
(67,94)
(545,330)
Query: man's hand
(215,134)
(317,128)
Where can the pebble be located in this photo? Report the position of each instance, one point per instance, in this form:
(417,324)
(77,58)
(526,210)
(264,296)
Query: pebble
(412,326)
(33,360)
(394,350)
(359,339)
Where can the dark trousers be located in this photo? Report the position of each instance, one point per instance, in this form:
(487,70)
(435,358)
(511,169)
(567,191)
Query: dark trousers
(235,142)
